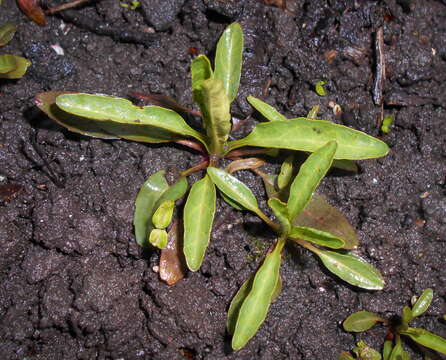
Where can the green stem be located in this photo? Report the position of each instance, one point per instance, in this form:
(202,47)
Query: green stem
(271,224)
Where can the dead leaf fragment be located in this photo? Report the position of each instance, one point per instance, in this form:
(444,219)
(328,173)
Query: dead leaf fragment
(32,9)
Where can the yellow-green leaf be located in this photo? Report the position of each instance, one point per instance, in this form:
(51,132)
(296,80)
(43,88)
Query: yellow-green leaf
(427,339)
(12,66)
(423,302)
(360,321)
(309,135)
(163,215)
(198,218)
(158,238)
(200,70)
(268,112)
(318,237)
(7,33)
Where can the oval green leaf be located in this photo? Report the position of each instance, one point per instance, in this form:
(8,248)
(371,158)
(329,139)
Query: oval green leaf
(427,339)
(158,238)
(233,188)
(12,66)
(398,353)
(352,269)
(309,135)
(268,112)
(310,175)
(360,321)
(255,307)
(319,214)
(7,33)
(228,59)
(122,111)
(163,214)
(318,237)
(407,317)
(145,203)
(423,302)
(387,349)
(198,218)
(237,302)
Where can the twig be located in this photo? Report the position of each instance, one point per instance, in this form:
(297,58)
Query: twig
(380,75)
(66,6)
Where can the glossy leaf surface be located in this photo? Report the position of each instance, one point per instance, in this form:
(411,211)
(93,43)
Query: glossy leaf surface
(233,188)
(312,171)
(360,321)
(427,339)
(309,135)
(256,304)
(12,66)
(318,237)
(352,269)
(228,59)
(198,218)
(268,112)
(122,111)
(172,265)
(423,302)
(319,214)
(7,33)
(214,106)
(145,204)
(46,101)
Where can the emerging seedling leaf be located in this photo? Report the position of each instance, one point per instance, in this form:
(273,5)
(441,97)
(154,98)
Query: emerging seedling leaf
(423,303)
(12,66)
(7,33)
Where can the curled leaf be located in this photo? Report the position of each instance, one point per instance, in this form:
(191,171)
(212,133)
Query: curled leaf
(243,164)
(7,33)
(12,66)
(286,171)
(158,238)
(360,321)
(163,215)
(32,9)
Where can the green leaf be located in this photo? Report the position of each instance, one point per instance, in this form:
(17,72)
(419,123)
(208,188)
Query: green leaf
(163,215)
(255,307)
(145,204)
(427,339)
(154,191)
(268,112)
(286,171)
(231,202)
(310,175)
(122,111)
(387,349)
(346,165)
(198,218)
(345,356)
(319,214)
(280,211)
(352,269)
(7,33)
(319,87)
(158,238)
(214,107)
(360,321)
(407,316)
(312,114)
(233,188)
(309,135)
(423,303)
(201,70)
(12,66)
(237,302)
(228,59)
(398,353)
(316,237)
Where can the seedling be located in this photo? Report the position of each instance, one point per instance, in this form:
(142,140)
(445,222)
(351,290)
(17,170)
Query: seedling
(291,197)
(11,66)
(393,348)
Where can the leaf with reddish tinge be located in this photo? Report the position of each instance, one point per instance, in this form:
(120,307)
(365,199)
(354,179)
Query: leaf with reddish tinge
(172,266)
(32,9)
(319,214)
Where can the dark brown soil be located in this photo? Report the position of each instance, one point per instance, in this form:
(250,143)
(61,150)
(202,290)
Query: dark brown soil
(73,282)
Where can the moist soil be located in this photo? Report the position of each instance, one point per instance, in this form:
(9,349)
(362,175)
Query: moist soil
(73,282)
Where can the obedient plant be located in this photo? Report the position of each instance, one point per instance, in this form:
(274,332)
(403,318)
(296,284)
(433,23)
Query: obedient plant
(302,217)
(393,347)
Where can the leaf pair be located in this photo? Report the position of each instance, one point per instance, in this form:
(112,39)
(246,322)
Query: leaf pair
(11,66)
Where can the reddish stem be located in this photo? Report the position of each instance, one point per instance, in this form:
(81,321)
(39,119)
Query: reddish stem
(192,144)
(200,166)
